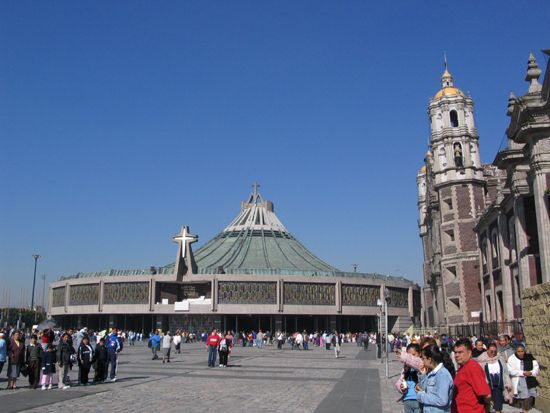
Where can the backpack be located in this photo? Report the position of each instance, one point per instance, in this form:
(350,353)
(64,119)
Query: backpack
(223,344)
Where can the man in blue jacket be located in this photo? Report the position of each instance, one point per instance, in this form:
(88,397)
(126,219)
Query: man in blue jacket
(155,344)
(114,346)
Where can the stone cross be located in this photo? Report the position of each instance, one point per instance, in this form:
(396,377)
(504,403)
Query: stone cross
(184,238)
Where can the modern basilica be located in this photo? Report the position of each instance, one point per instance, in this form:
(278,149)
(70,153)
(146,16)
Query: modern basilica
(253,275)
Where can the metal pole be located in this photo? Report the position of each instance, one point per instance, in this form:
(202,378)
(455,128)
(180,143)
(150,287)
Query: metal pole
(387,332)
(44,293)
(35,256)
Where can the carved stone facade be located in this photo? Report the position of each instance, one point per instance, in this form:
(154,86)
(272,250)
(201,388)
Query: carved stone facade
(309,294)
(399,297)
(84,294)
(514,226)
(126,293)
(492,231)
(361,295)
(240,292)
(58,297)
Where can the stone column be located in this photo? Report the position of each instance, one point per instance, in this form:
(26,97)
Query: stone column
(67,296)
(100,298)
(338,298)
(540,185)
(280,303)
(214,294)
(521,242)
(410,302)
(492,315)
(50,299)
(440,297)
(507,296)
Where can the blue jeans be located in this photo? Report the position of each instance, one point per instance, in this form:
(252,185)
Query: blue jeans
(212,352)
(411,406)
(113,363)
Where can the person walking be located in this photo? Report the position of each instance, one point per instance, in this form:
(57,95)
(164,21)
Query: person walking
(34,361)
(224,348)
(177,342)
(472,394)
(496,372)
(337,342)
(3,350)
(48,367)
(63,358)
(166,347)
(16,358)
(155,343)
(114,346)
(212,343)
(85,358)
(435,390)
(523,369)
(101,361)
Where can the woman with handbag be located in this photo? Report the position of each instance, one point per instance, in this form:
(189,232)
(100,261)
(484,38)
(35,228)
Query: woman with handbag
(16,359)
(523,369)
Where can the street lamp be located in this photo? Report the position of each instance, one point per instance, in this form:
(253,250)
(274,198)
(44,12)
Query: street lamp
(36,257)
(386,344)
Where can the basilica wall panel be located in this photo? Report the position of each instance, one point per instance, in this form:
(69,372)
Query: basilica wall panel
(399,297)
(360,295)
(239,292)
(126,293)
(309,294)
(58,297)
(84,294)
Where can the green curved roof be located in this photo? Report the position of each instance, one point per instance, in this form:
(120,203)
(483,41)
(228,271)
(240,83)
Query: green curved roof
(256,242)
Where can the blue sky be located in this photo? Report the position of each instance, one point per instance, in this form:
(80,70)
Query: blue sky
(121,121)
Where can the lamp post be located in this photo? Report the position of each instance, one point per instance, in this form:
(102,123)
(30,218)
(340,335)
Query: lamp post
(44,293)
(36,257)
(386,300)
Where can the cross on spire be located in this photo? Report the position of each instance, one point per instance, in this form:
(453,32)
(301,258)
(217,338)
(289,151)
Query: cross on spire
(184,238)
(255,187)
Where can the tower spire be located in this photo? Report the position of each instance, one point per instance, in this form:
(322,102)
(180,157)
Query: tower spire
(446,78)
(533,73)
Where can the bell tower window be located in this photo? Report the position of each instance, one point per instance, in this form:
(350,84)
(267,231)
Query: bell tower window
(454,118)
(457,152)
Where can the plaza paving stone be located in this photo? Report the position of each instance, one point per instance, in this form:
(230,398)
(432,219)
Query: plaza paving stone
(265,380)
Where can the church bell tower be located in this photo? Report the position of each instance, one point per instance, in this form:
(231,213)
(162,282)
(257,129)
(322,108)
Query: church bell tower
(454,176)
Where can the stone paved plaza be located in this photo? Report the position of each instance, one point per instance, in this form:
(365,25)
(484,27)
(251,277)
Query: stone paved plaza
(265,380)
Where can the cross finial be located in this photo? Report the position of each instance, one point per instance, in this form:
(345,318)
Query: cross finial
(445,60)
(255,187)
(184,238)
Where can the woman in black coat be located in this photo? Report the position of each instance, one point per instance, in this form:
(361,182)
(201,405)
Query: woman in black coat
(16,358)
(85,360)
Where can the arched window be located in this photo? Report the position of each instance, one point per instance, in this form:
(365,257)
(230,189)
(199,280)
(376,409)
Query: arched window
(454,118)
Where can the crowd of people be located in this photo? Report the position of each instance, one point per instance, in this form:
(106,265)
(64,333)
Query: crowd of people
(53,352)
(220,343)
(473,375)
(440,373)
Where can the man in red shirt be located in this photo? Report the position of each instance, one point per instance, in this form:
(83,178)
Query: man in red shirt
(212,343)
(472,393)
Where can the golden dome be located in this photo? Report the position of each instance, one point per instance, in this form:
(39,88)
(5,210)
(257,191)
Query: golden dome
(449,91)
(449,88)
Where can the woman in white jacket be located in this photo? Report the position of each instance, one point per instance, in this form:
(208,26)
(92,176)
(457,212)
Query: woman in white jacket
(523,369)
